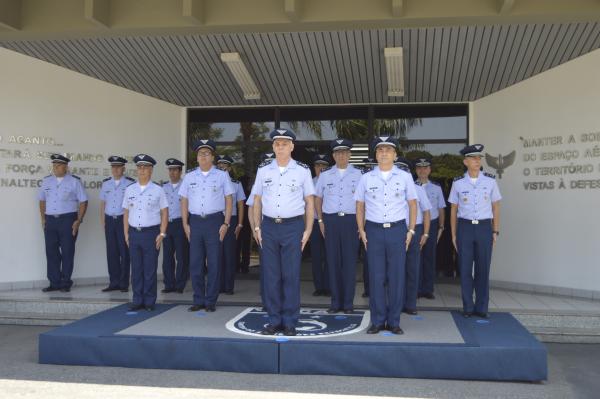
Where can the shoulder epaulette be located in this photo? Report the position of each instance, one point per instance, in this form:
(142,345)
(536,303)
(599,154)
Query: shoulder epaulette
(490,175)
(435,182)
(235,181)
(107,179)
(130,183)
(265,162)
(458,177)
(305,166)
(45,177)
(77,177)
(129,178)
(191,170)
(158,183)
(418,183)
(365,170)
(326,169)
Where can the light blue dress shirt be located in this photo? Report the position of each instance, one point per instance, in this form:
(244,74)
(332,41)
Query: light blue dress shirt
(474,200)
(386,200)
(63,197)
(206,194)
(283,194)
(238,195)
(337,189)
(172,193)
(112,195)
(250,200)
(436,198)
(144,207)
(423,204)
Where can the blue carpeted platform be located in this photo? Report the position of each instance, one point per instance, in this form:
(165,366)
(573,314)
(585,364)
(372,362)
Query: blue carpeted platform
(171,338)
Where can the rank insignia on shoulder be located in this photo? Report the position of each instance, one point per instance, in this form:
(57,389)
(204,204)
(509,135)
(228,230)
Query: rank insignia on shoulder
(326,169)
(458,177)
(129,178)
(77,177)
(107,179)
(305,166)
(191,170)
(265,162)
(435,182)
(234,181)
(491,176)
(45,177)
(159,183)
(365,170)
(418,183)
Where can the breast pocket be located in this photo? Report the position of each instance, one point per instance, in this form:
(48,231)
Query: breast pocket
(66,194)
(152,204)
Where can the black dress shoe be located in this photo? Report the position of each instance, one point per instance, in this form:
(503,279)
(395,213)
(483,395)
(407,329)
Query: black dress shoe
(195,308)
(135,308)
(467,315)
(332,310)
(108,289)
(124,289)
(410,311)
(167,290)
(289,331)
(228,292)
(396,330)
(50,289)
(211,308)
(269,330)
(365,295)
(429,296)
(316,293)
(65,289)
(326,293)
(180,290)
(482,315)
(374,329)
(348,311)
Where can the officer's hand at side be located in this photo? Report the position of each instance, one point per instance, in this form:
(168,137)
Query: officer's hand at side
(158,241)
(322,228)
(409,237)
(439,235)
(423,241)
(75,227)
(237,231)
(305,238)
(127,240)
(222,232)
(363,237)
(454,243)
(258,237)
(186,229)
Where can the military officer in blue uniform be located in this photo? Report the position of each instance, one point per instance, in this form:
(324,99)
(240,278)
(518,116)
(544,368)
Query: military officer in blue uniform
(63,203)
(336,210)
(438,216)
(283,221)
(474,221)
(229,256)
(385,199)
(206,206)
(175,245)
(368,165)
(111,218)
(421,236)
(145,220)
(317,242)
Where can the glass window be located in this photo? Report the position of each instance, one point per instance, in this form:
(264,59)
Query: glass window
(436,128)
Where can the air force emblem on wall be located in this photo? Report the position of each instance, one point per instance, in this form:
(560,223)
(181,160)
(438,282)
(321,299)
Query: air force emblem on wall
(312,323)
(500,162)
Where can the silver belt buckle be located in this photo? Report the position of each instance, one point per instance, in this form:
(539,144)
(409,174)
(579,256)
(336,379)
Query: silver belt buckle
(115,217)
(278,220)
(341,214)
(138,228)
(387,225)
(474,221)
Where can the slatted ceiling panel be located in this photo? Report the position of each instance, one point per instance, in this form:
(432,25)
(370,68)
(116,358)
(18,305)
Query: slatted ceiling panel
(451,64)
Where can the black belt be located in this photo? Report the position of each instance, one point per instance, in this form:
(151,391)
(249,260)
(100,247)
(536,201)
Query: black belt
(115,216)
(386,225)
(283,220)
(474,221)
(175,220)
(194,216)
(63,215)
(339,214)
(142,229)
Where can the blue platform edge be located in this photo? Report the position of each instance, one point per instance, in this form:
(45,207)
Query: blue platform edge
(499,349)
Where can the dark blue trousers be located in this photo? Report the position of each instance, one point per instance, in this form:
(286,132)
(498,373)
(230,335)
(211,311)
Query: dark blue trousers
(205,254)
(175,248)
(365,259)
(144,263)
(117,253)
(387,257)
(341,245)
(60,249)
(280,259)
(318,256)
(474,242)
(229,257)
(428,260)
(413,258)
